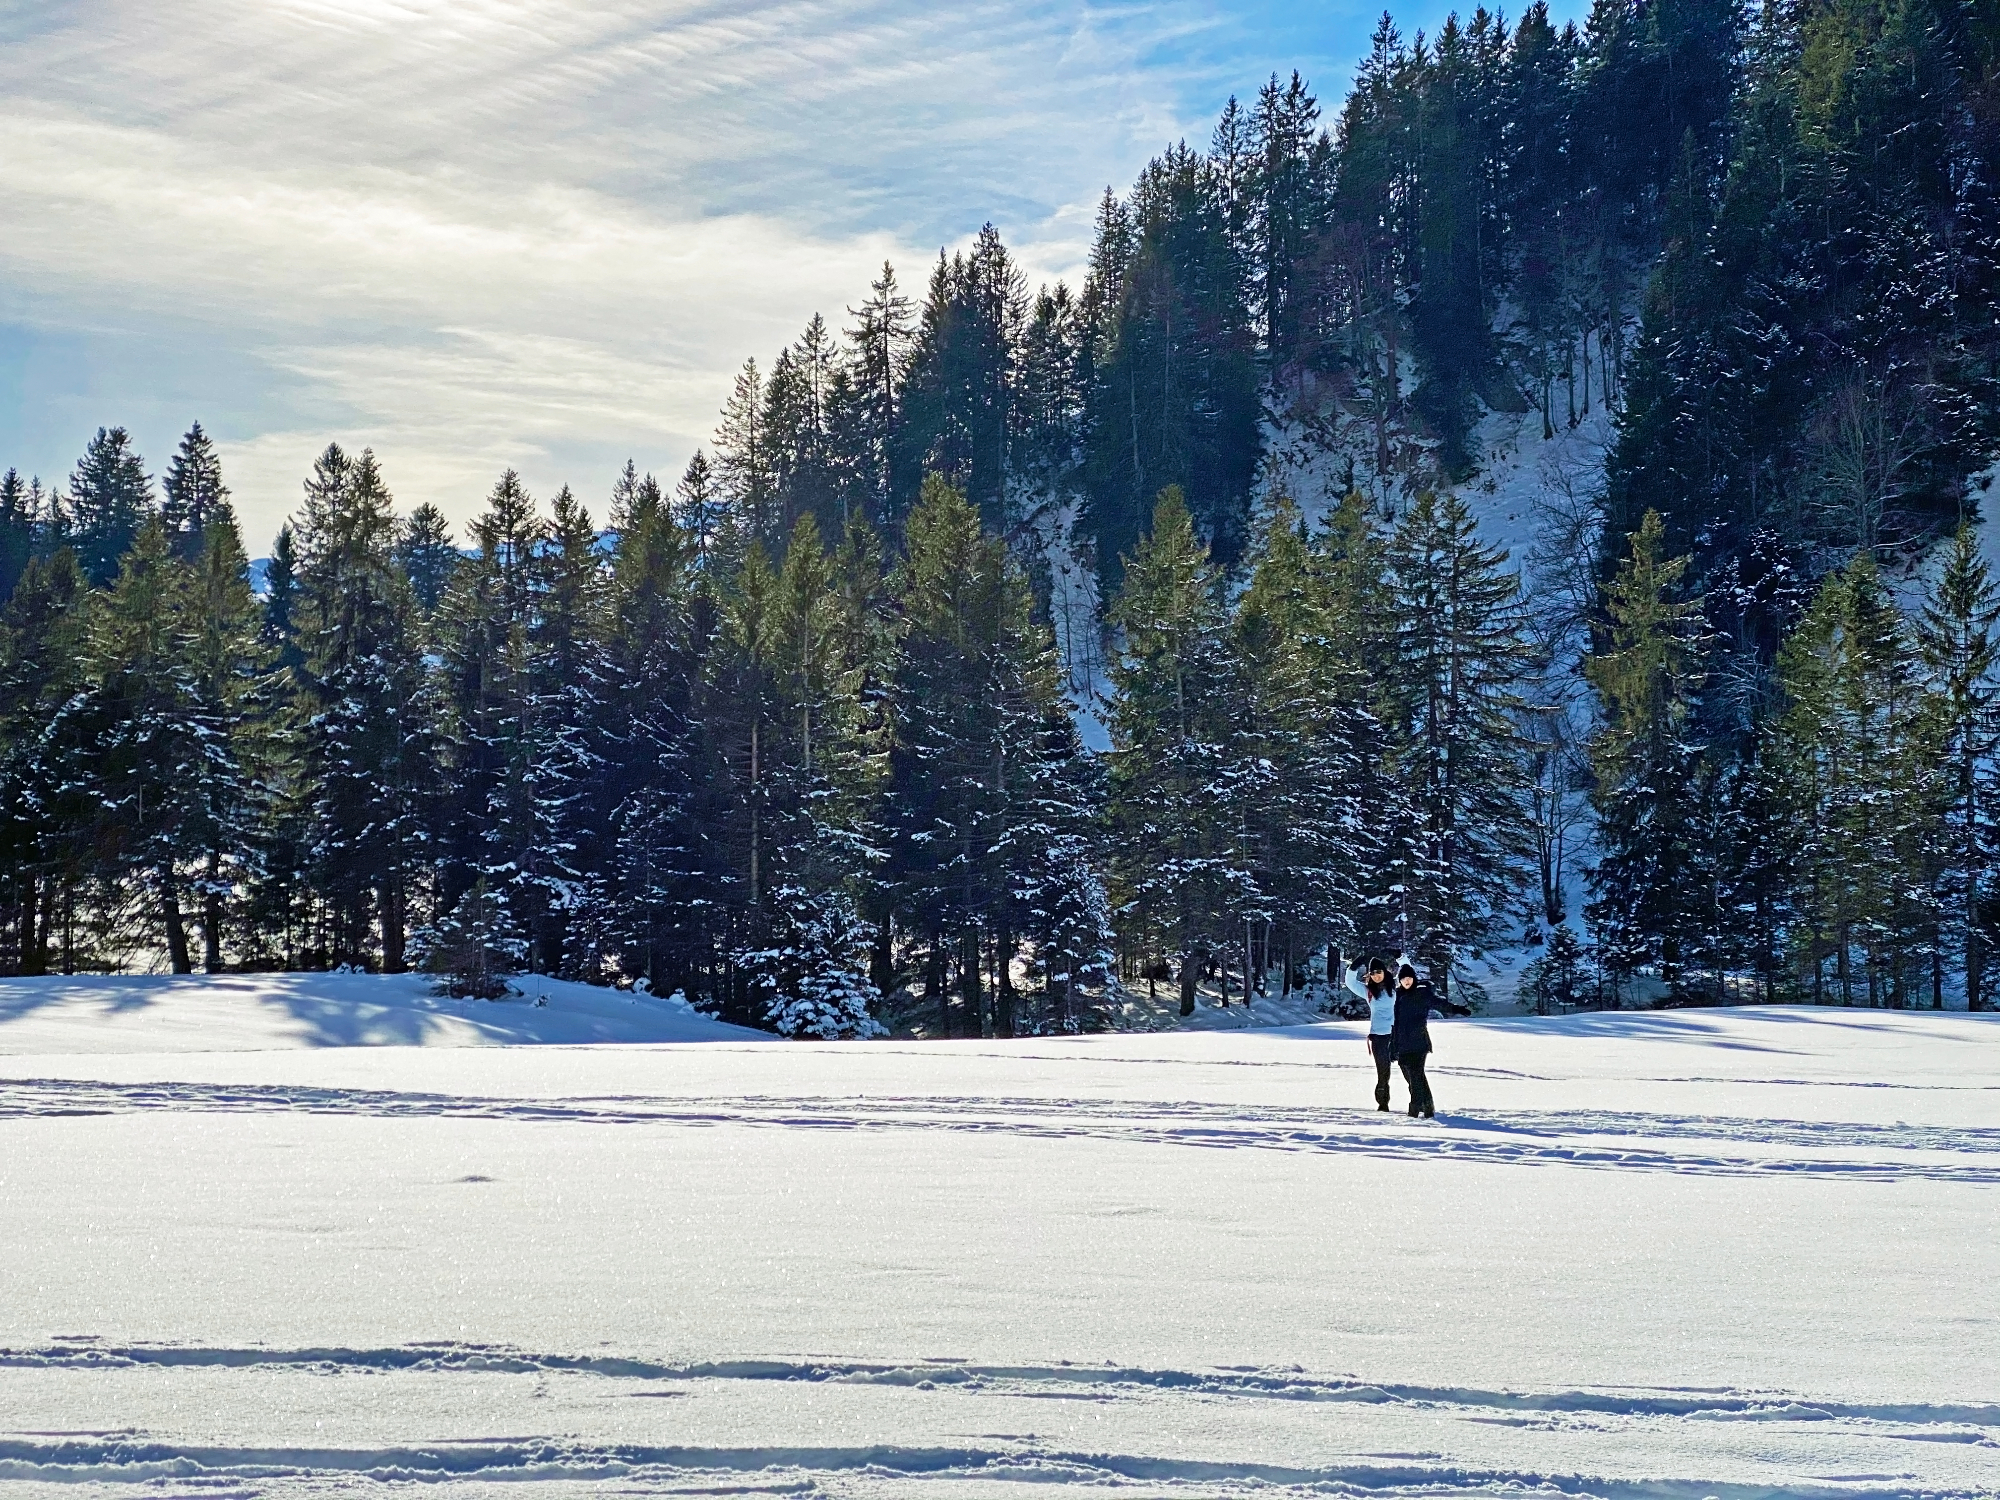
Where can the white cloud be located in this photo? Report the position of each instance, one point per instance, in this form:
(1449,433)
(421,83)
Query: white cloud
(475,233)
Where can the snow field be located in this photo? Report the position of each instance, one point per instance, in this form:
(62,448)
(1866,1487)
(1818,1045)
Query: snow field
(1731,1252)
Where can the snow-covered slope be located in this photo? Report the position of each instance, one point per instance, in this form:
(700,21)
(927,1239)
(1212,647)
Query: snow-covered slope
(1730,1253)
(255,1012)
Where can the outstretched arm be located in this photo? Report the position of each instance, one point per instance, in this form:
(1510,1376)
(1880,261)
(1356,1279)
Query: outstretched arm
(1354,983)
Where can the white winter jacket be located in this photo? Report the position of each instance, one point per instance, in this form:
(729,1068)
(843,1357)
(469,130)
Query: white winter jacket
(1381,1008)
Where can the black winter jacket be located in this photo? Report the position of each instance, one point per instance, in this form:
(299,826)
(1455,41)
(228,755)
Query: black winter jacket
(1412,1036)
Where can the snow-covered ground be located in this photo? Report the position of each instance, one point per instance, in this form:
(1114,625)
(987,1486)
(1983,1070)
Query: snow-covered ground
(258,1012)
(1729,1253)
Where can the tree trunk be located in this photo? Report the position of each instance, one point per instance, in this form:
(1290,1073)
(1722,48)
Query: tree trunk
(177,938)
(934,989)
(882,956)
(968,969)
(1188,980)
(395,940)
(1003,975)
(211,915)
(34,939)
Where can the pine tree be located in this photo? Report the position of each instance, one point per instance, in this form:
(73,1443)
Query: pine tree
(1647,672)
(1556,980)
(976,679)
(473,947)
(46,802)
(193,495)
(149,741)
(425,553)
(880,339)
(110,495)
(1459,666)
(19,531)
(669,885)
(812,978)
(1960,652)
(368,753)
(958,392)
(1172,766)
(742,460)
(698,509)
(1174,392)
(1305,726)
(1858,745)
(228,661)
(281,597)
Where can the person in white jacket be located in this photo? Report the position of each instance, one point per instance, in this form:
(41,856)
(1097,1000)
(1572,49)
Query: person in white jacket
(1381,998)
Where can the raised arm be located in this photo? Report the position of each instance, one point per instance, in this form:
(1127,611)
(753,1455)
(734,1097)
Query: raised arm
(1355,984)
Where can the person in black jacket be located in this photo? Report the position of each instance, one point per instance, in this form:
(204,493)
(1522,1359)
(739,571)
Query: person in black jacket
(1410,1042)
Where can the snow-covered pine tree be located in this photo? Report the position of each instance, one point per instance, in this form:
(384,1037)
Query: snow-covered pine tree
(228,661)
(1357,634)
(1178,877)
(473,947)
(1960,653)
(569,851)
(810,979)
(1066,918)
(1859,748)
(149,741)
(669,879)
(368,752)
(1460,662)
(45,794)
(1558,978)
(1647,670)
(1305,724)
(498,820)
(976,676)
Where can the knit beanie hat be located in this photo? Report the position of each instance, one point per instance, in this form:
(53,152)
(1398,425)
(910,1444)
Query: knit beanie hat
(1406,972)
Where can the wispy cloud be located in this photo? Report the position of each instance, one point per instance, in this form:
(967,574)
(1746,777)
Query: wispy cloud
(475,233)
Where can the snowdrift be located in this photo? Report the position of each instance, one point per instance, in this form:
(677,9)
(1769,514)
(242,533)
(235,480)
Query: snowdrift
(141,1013)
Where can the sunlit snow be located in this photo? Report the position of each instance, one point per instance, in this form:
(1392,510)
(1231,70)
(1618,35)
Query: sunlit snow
(1729,1253)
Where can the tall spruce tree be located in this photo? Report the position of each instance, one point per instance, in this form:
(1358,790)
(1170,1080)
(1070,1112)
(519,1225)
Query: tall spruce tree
(1960,653)
(193,495)
(1647,672)
(110,496)
(1858,744)
(1460,663)
(1179,881)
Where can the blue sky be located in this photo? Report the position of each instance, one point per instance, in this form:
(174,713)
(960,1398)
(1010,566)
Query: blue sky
(481,233)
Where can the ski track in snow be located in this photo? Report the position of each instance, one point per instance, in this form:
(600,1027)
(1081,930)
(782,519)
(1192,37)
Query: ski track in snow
(1614,1139)
(120,1459)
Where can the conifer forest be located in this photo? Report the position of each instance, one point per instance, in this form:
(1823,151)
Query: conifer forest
(1011,647)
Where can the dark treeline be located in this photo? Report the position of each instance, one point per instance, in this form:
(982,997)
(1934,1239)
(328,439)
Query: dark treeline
(793,737)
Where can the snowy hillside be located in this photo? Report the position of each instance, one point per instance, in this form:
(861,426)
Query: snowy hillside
(259,1012)
(1730,1253)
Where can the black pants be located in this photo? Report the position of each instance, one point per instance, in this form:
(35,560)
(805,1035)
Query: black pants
(1379,1047)
(1412,1064)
